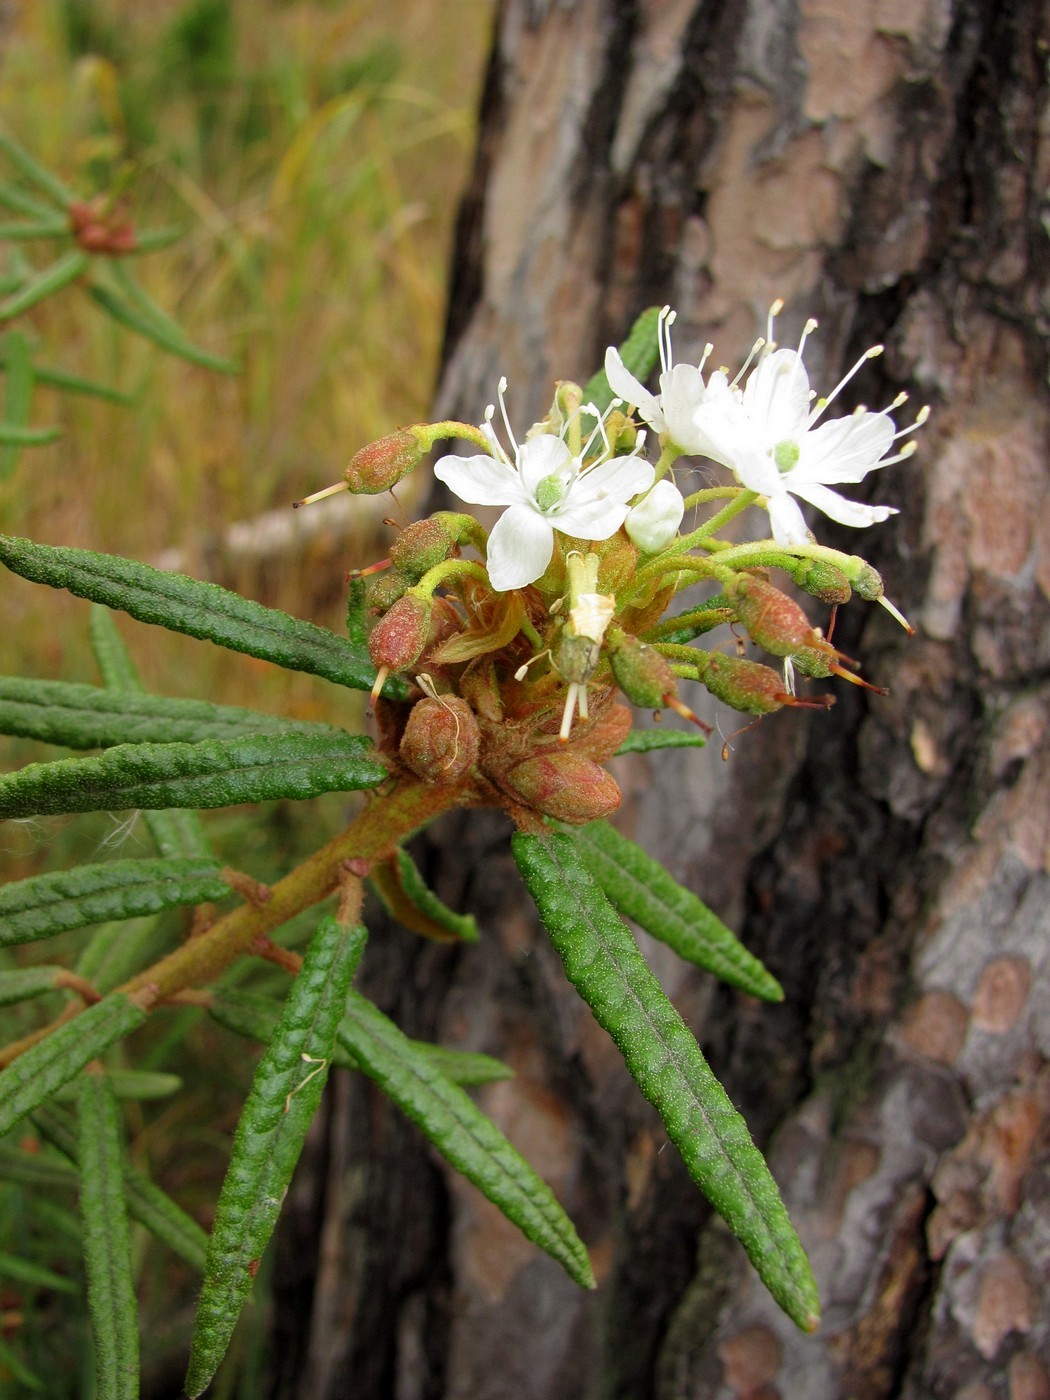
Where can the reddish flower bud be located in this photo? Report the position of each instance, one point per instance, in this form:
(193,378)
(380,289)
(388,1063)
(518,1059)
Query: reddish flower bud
(440,742)
(643,675)
(398,639)
(774,621)
(745,685)
(565,786)
(601,737)
(425,543)
(384,462)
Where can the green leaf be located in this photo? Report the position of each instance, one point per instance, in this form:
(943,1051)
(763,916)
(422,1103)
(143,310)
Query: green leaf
(642,890)
(357,615)
(639,352)
(77,384)
(115,951)
(130,306)
(462,1133)
(13,435)
(202,610)
(30,1080)
(45,905)
(215,773)
(408,897)
(29,1272)
(175,832)
(146,1203)
(603,962)
(285,1093)
(646,740)
(45,283)
(10,1361)
(18,396)
(13,197)
(21,985)
(148,240)
(254,1016)
(135,1084)
(91,717)
(107,1243)
(36,173)
(36,1169)
(40,228)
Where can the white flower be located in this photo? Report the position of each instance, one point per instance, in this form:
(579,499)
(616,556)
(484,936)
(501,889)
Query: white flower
(653,523)
(775,445)
(686,408)
(544,488)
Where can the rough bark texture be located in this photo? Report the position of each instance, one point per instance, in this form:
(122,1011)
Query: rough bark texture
(878,165)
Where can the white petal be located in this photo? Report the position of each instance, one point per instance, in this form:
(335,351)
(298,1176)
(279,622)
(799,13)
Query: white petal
(758,472)
(682,392)
(838,508)
(721,428)
(653,523)
(844,450)
(624,385)
(776,396)
(482,481)
(615,479)
(789,525)
(520,547)
(541,456)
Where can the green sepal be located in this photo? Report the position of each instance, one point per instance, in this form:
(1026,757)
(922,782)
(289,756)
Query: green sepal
(641,889)
(94,717)
(45,905)
(45,283)
(639,352)
(30,1080)
(462,1133)
(130,305)
(215,773)
(648,740)
(254,1016)
(107,1242)
(202,610)
(410,900)
(175,832)
(603,963)
(285,1093)
(146,1203)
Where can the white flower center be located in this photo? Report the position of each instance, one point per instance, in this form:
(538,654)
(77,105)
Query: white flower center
(785,455)
(549,491)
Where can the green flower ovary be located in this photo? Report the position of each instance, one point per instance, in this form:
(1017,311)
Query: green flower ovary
(550,491)
(785,454)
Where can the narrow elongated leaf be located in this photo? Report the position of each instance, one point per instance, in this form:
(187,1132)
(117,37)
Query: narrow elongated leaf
(462,1133)
(408,897)
(640,888)
(31,1079)
(27,1271)
(94,717)
(604,964)
(146,1203)
(18,395)
(202,610)
(36,1169)
(45,905)
(41,228)
(647,740)
(639,353)
(14,435)
(138,314)
(77,384)
(175,832)
(148,240)
(137,1084)
(36,173)
(45,283)
(285,1092)
(356,615)
(114,951)
(12,1363)
(14,197)
(254,1016)
(107,1243)
(28,982)
(216,773)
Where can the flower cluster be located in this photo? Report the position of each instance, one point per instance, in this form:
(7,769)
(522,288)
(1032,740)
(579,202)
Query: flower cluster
(517,654)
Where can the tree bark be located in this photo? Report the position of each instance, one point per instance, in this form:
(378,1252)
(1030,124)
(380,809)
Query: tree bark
(879,166)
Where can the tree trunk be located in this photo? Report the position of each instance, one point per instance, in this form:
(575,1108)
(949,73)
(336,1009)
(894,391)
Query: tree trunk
(879,166)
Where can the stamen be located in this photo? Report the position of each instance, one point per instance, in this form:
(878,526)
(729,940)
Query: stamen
(751,355)
(520,673)
(822,404)
(709,350)
(807,331)
(664,322)
(895,612)
(501,389)
(774,312)
(582,700)
(789,675)
(320,495)
(569,711)
(920,419)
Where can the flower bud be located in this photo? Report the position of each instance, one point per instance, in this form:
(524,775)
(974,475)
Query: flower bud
(383,590)
(653,523)
(565,786)
(773,620)
(745,685)
(600,737)
(867,582)
(382,464)
(425,543)
(643,675)
(440,742)
(399,638)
